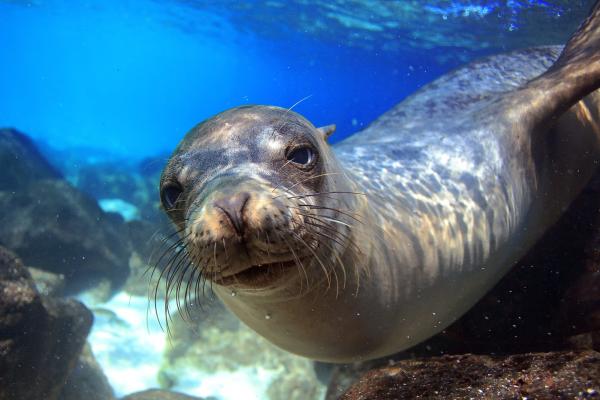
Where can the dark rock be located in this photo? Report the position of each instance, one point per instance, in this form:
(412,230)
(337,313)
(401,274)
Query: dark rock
(580,304)
(40,337)
(54,226)
(47,283)
(21,161)
(344,375)
(560,375)
(585,341)
(112,180)
(121,179)
(60,229)
(157,394)
(87,381)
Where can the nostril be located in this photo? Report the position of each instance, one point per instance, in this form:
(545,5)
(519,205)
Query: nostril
(233,208)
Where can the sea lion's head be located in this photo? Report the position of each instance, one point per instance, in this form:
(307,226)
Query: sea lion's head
(258,198)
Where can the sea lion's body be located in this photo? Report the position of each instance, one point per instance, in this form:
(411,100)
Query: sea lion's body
(451,187)
(451,205)
(459,201)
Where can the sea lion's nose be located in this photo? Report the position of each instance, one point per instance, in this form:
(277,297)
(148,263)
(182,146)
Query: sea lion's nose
(233,208)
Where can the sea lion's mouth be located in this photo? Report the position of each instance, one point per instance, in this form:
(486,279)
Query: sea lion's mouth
(257,275)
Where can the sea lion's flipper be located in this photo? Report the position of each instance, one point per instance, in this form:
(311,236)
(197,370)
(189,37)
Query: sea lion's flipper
(573,76)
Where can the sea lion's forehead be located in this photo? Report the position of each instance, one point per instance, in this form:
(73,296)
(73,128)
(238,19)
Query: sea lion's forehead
(246,128)
(247,138)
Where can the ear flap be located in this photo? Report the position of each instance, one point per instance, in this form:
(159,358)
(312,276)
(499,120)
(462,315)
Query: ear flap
(327,130)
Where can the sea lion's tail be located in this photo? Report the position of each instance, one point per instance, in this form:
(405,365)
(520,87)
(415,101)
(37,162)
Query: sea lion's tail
(574,75)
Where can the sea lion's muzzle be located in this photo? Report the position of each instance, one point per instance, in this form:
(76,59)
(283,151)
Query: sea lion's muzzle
(233,209)
(241,226)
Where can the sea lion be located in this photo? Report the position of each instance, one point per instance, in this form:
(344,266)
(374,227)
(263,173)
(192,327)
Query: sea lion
(363,249)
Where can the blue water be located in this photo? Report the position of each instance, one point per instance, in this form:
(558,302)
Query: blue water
(132,77)
(126,79)
(121,77)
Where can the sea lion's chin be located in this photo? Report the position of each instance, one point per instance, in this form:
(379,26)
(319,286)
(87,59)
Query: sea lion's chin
(258,276)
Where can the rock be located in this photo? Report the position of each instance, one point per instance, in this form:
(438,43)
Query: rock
(47,283)
(86,380)
(40,337)
(54,226)
(564,375)
(21,162)
(580,305)
(585,341)
(157,394)
(66,233)
(344,375)
(134,184)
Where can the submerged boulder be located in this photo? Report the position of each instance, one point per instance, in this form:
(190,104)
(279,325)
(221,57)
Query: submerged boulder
(158,394)
(40,337)
(53,225)
(86,380)
(559,375)
(21,161)
(47,283)
(114,180)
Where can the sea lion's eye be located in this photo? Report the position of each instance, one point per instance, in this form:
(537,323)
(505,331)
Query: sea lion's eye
(170,194)
(301,155)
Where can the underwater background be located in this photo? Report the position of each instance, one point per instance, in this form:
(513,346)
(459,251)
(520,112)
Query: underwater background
(106,89)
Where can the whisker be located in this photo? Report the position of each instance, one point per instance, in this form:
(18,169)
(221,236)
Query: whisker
(187,294)
(335,221)
(180,279)
(268,244)
(316,256)
(335,254)
(171,248)
(335,239)
(312,177)
(157,286)
(168,291)
(348,214)
(164,242)
(289,189)
(297,259)
(322,193)
(290,109)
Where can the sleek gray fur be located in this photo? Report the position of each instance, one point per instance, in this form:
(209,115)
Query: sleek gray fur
(452,186)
